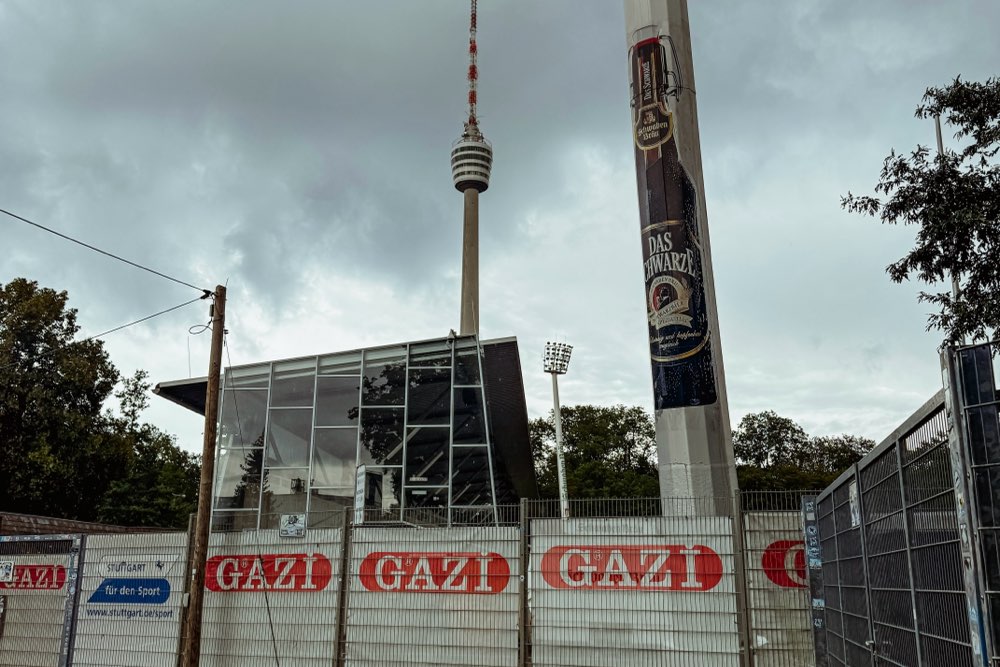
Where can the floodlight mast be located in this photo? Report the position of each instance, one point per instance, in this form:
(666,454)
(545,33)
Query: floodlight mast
(556,363)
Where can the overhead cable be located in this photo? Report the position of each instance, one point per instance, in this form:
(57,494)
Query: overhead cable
(205,293)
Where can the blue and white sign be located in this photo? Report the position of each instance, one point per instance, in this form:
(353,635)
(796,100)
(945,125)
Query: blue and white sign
(139,579)
(130,600)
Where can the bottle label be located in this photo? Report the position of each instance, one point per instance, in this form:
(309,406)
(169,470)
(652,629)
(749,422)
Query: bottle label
(677,311)
(673,272)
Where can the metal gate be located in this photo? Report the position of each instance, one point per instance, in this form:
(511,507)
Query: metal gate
(38,577)
(892,559)
(975,443)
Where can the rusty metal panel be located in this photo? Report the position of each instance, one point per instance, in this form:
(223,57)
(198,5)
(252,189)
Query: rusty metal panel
(778,593)
(636,592)
(271,600)
(131,594)
(433,596)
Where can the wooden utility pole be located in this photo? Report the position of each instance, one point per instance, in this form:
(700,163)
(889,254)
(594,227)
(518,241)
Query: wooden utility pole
(191,641)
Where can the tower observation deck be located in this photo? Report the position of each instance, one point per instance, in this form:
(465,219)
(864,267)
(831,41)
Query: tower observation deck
(471,162)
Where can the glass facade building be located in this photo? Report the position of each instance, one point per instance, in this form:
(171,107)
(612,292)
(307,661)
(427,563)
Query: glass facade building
(404,429)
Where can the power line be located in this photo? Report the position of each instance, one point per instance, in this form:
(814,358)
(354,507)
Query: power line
(111,331)
(205,292)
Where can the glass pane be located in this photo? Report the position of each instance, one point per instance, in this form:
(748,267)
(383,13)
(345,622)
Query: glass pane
(228,522)
(467,367)
(292,384)
(427,497)
(326,509)
(348,363)
(470,424)
(238,478)
(436,354)
(337,401)
(426,506)
(284,493)
(427,457)
(288,438)
(334,453)
(429,401)
(470,479)
(385,377)
(382,493)
(382,436)
(248,376)
(243,415)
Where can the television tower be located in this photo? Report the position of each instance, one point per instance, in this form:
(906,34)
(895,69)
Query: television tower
(471,161)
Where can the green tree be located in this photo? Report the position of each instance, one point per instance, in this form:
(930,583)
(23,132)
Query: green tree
(954,200)
(610,452)
(160,483)
(58,457)
(773,453)
(64,455)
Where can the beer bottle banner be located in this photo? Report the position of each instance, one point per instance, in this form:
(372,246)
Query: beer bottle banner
(679,335)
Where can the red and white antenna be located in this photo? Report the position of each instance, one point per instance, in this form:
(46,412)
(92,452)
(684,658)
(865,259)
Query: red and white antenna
(473,123)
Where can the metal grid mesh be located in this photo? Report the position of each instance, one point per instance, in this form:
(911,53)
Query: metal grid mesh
(34,624)
(624,582)
(778,598)
(892,565)
(633,591)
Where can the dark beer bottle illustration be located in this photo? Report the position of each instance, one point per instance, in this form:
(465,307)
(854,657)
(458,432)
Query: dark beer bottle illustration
(679,334)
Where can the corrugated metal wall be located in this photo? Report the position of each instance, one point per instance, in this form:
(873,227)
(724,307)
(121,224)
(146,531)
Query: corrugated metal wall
(131,592)
(433,596)
(271,600)
(35,626)
(778,593)
(632,592)
(622,590)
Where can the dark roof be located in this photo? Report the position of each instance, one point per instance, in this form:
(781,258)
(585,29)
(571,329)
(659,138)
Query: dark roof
(508,412)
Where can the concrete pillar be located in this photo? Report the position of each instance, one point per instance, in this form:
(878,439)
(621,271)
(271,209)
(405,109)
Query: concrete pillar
(694,442)
(470,264)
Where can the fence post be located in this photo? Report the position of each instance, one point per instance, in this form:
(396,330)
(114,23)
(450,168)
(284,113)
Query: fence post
(345,581)
(908,535)
(523,613)
(741,574)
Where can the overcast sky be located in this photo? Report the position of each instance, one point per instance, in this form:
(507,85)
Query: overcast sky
(299,152)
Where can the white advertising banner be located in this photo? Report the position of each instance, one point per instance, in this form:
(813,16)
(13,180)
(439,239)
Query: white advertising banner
(633,592)
(780,613)
(271,600)
(131,594)
(433,596)
(35,592)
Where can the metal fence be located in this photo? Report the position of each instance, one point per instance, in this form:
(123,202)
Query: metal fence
(891,553)
(778,601)
(974,406)
(625,582)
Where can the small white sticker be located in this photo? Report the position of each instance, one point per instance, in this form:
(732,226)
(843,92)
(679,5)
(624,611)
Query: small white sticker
(292,525)
(6,571)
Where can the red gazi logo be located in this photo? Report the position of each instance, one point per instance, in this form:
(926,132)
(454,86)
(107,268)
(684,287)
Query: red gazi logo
(784,563)
(477,573)
(274,573)
(36,577)
(655,567)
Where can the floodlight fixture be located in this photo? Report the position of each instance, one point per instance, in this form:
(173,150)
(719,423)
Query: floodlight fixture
(556,358)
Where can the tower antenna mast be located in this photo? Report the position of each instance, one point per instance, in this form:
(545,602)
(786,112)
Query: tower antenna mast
(472,125)
(471,162)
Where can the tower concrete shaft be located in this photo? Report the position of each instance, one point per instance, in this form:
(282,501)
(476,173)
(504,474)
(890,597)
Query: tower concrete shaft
(470,264)
(693,436)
